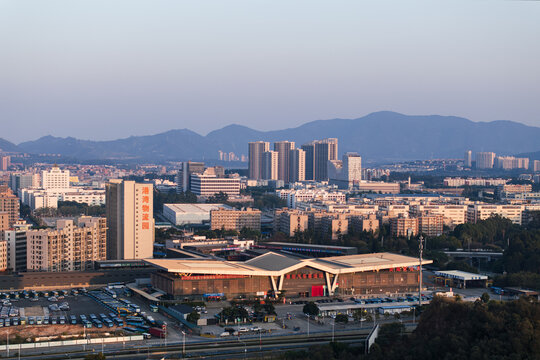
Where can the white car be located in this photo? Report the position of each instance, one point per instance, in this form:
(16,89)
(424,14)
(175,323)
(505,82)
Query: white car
(224,334)
(52,299)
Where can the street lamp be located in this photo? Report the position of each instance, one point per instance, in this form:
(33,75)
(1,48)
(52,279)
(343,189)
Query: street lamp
(421,248)
(184,344)
(333,327)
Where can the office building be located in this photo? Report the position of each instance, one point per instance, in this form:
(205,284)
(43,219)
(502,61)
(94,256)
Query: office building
(270,164)
(55,178)
(183,177)
(255,153)
(379,187)
(467,161)
(297,165)
(69,247)
(24,181)
(130,220)
(511,162)
(485,160)
(10,203)
(232,219)
(477,212)
(283,149)
(209,185)
(16,240)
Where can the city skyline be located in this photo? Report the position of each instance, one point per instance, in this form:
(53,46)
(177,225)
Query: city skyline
(263,65)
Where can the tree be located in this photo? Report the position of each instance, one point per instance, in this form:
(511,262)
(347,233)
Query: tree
(218,198)
(193,317)
(342,318)
(311,309)
(485,297)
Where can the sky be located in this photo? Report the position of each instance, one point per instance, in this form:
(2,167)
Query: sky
(112,69)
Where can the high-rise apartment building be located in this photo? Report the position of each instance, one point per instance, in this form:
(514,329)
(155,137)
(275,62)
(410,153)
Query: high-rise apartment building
(297,165)
(16,240)
(4,221)
(431,225)
(68,247)
(347,172)
(283,149)
(467,161)
(536,166)
(10,203)
(130,220)
(256,152)
(403,226)
(5,162)
(511,162)
(485,160)
(55,179)
(325,150)
(183,177)
(270,165)
(309,150)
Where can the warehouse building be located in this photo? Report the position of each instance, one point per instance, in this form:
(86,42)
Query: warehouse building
(190,214)
(271,274)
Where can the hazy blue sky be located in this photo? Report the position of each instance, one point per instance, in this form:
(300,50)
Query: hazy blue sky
(109,69)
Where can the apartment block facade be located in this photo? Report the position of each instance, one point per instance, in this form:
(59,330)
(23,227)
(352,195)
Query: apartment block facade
(230,219)
(69,247)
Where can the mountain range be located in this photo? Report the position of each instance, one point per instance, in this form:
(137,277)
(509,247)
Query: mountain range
(378,136)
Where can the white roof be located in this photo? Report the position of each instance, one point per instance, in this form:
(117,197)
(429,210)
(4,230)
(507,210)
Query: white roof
(194,208)
(461,275)
(273,264)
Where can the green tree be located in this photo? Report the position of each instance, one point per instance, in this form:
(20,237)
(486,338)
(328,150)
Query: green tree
(193,317)
(342,318)
(311,309)
(485,297)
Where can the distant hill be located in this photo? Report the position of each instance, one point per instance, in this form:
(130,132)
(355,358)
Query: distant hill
(531,155)
(378,136)
(8,146)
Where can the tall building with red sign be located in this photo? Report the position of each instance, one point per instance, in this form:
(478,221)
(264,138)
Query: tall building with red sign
(130,220)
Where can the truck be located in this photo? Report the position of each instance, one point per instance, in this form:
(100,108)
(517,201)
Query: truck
(157,332)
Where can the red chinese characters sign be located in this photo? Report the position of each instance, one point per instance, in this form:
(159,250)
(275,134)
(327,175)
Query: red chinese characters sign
(145,208)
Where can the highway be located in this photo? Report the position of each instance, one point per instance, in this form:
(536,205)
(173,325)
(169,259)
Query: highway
(211,349)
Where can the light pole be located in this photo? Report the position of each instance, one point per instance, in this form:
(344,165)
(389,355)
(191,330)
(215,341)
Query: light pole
(333,327)
(308,325)
(184,344)
(7,347)
(421,248)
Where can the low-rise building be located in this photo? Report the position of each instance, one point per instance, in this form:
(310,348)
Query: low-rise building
(477,212)
(232,219)
(209,185)
(190,214)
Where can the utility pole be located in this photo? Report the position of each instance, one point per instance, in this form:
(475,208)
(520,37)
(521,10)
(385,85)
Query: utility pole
(421,248)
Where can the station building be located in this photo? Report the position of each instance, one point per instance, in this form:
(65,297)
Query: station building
(273,273)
